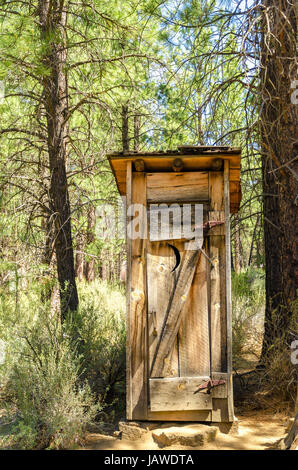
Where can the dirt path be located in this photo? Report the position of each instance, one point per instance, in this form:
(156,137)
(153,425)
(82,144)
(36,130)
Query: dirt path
(257,431)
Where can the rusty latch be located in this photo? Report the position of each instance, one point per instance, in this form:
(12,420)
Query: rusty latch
(209,385)
(210,224)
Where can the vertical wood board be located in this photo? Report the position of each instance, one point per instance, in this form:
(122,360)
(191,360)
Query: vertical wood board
(161,280)
(194,348)
(217,275)
(138,307)
(228,289)
(128,290)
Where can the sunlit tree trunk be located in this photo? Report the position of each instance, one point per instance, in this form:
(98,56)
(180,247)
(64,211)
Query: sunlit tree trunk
(90,264)
(53,20)
(279,147)
(80,259)
(237,245)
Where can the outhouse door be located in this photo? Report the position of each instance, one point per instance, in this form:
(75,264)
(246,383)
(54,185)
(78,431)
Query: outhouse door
(178,313)
(178,326)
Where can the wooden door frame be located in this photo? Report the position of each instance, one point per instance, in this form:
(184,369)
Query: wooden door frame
(137,319)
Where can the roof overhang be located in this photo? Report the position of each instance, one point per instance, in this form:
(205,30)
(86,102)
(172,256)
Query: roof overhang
(193,158)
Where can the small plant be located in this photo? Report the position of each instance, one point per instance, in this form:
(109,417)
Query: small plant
(248,302)
(278,378)
(100,325)
(52,376)
(53,406)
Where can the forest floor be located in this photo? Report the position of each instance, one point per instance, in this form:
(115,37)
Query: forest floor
(258,430)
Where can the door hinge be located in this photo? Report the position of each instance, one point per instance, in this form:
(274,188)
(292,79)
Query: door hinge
(209,385)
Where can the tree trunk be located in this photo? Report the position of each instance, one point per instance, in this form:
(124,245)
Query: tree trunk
(79,269)
(252,241)
(200,133)
(125,137)
(53,25)
(48,257)
(237,245)
(136,132)
(278,135)
(89,268)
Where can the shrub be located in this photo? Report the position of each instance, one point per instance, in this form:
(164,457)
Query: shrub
(248,304)
(53,407)
(100,325)
(278,377)
(52,380)
(273,384)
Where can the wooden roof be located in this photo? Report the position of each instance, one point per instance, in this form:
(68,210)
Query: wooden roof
(194,158)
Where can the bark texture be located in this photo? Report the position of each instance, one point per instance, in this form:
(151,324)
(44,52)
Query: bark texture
(237,245)
(53,21)
(90,264)
(279,148)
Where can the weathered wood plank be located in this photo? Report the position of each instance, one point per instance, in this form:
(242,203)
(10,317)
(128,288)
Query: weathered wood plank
(215,304)
(167,187)
(194,415)
(194,349)
(228,289)
(217,277)
(128,291)
(217,216)
(191,164)
(173,315)
(216,191)
(178,394)
(165,223)
(221,391)
(138,307)
(220,412)
(164,163)
(161,280)
(176,221)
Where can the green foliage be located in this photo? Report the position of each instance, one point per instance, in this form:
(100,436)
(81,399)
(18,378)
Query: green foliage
(54,408)
(41,377)
(57,384)
(249,284)
(248,302)
(100,325)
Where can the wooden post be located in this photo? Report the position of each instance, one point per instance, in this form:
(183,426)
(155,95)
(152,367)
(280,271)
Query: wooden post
(228,288)
(177,165)
(125,139)
(136,133)
(128,291)
(139,164)
(217,273)
(137,292)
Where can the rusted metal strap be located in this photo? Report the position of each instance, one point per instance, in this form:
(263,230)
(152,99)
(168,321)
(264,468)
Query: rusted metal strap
(209,224)
(209,385)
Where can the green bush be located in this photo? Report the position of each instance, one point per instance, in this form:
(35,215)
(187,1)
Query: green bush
(100,326)
(52,404)
(53,376)
(248,304)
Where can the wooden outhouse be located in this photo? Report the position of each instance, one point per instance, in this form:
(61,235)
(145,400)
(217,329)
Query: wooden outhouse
(179,335)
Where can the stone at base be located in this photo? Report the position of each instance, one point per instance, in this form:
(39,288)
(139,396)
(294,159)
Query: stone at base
(131,431)
(148,425)
(187,435)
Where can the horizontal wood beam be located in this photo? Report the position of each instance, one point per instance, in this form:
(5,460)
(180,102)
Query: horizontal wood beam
(178,394)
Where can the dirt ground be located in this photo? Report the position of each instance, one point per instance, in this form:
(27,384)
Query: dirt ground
(258,430)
